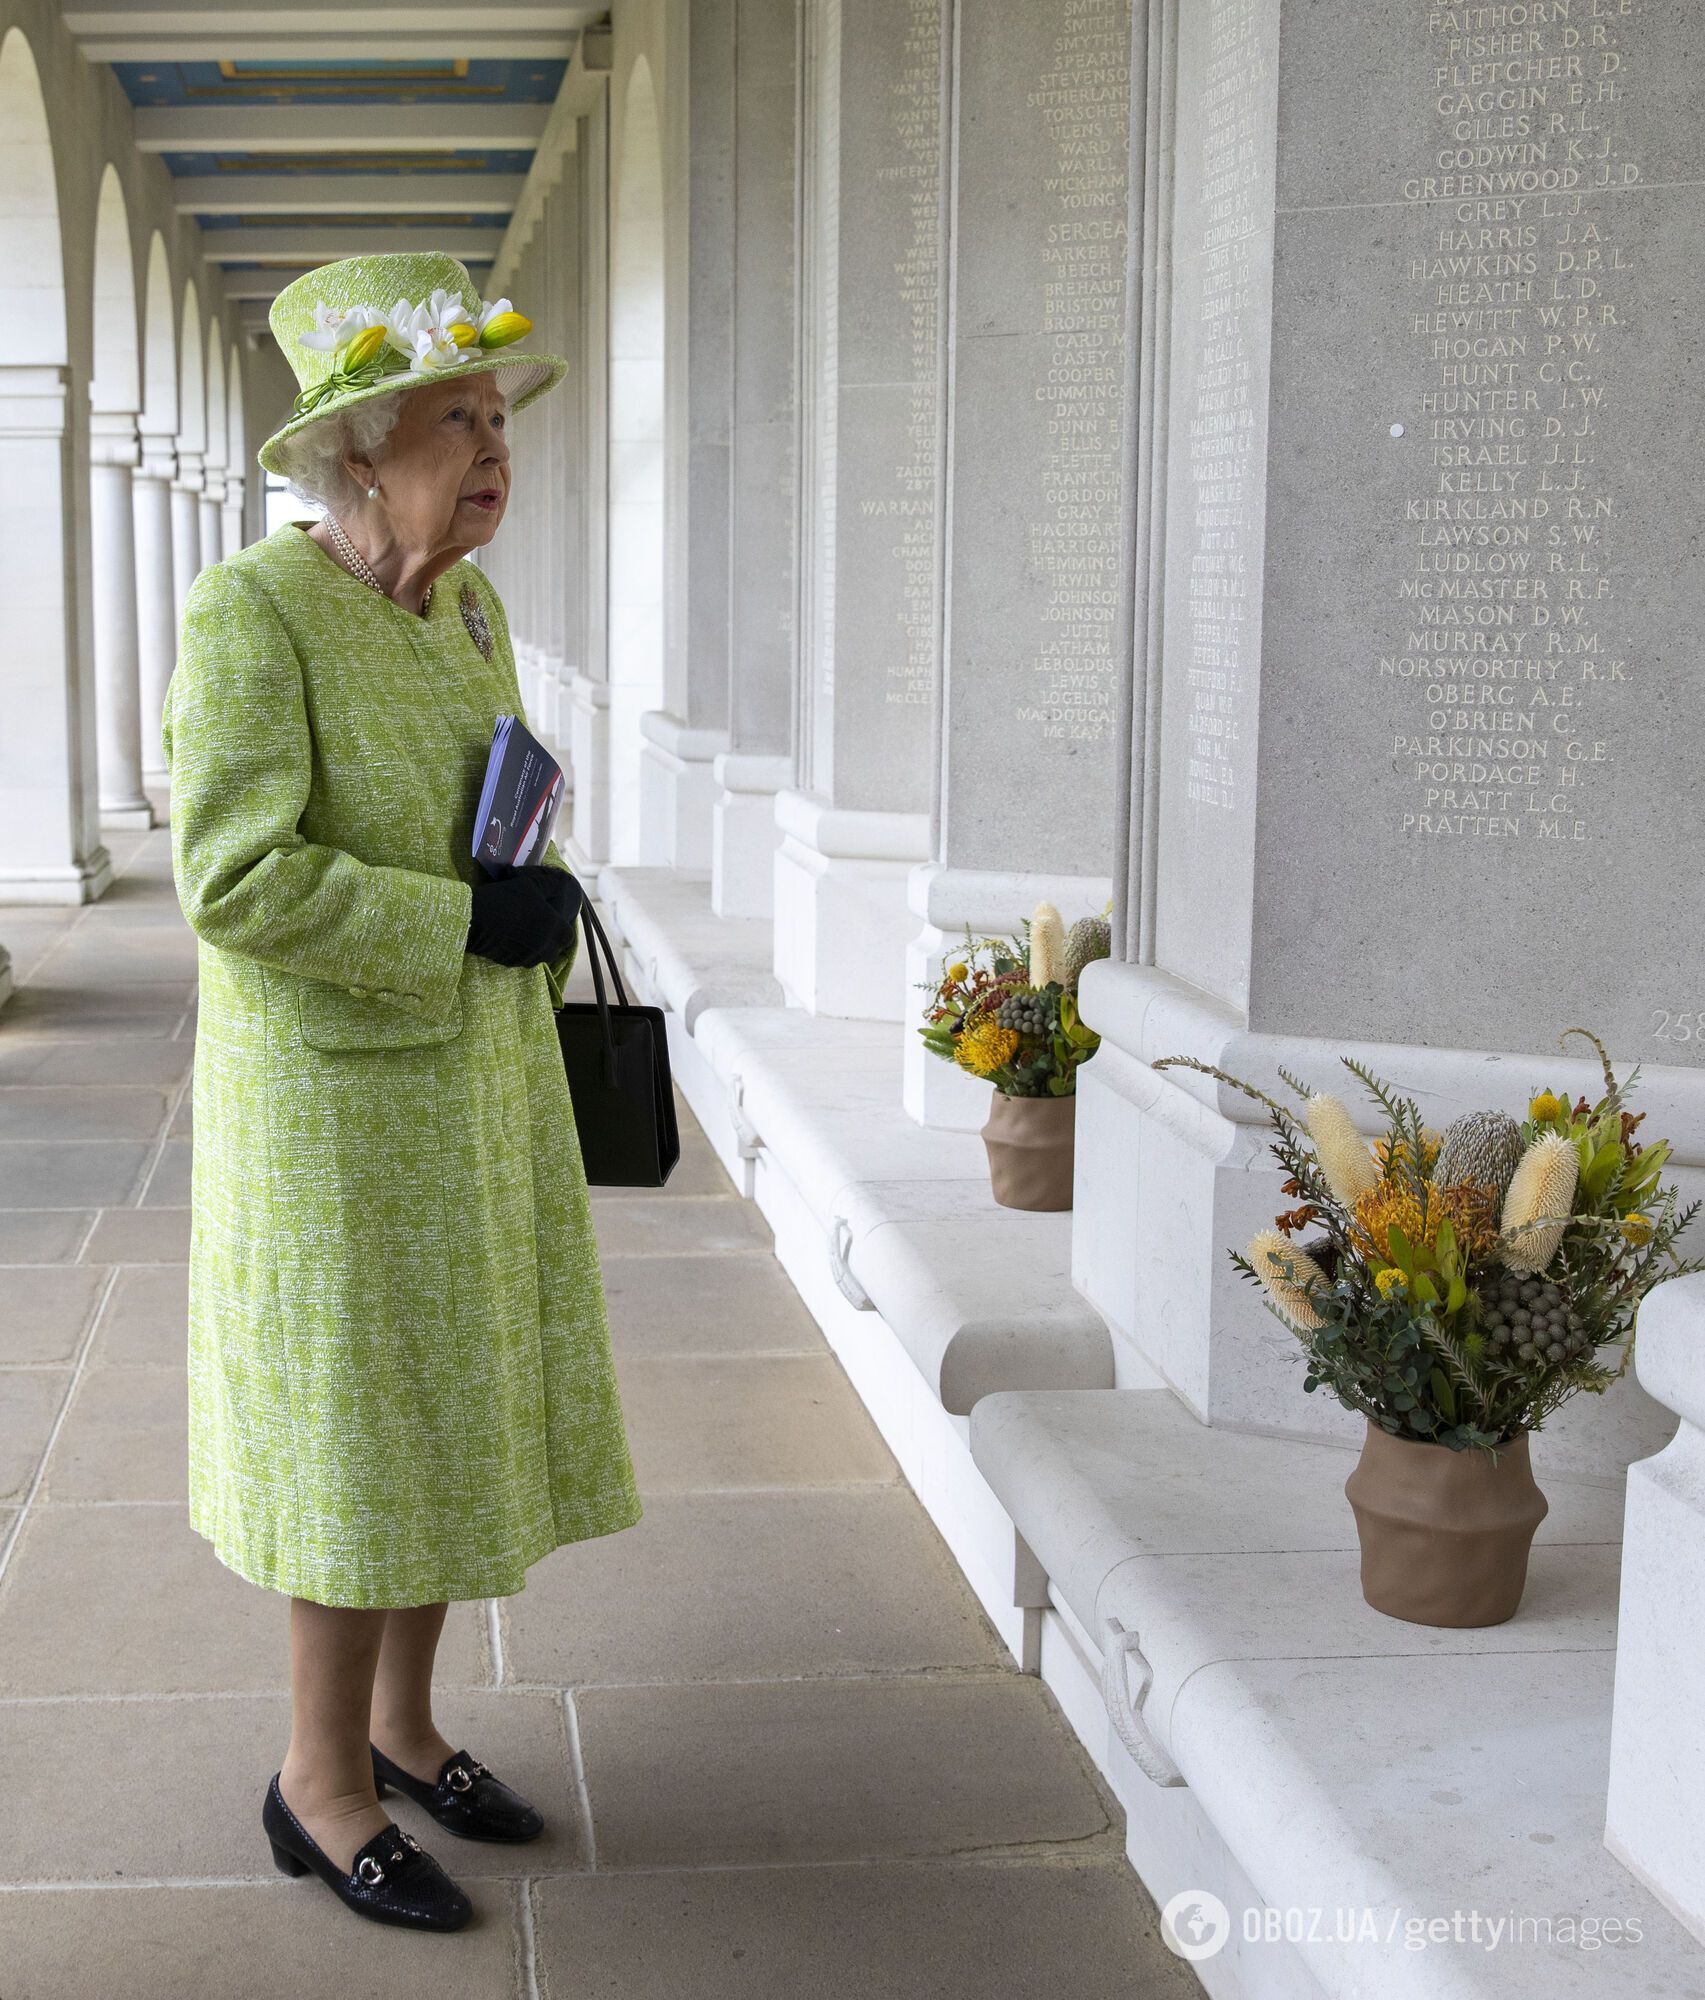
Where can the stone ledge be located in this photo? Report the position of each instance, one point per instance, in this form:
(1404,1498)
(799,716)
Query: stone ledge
(1405,1767)
(979,1296)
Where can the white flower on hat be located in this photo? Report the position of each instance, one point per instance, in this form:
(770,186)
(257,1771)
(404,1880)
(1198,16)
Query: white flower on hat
(433,334)
(489,311)
(336,326)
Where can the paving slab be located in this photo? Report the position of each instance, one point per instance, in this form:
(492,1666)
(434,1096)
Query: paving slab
(168,1181)
(784,1420)
(51,1111)
(125,1437)
(30,1400)
(145,1321)
(706,1304)
(132,1236)
(45,1309)
(60,1013)
(129,1600)
(734,1586)
(274,1941)
(41,1061)
(633,1225)
(797,1771)
(873,1931)
(78,1173)
(43,1235)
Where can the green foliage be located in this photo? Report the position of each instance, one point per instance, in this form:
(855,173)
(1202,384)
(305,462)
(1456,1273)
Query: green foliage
(1053,1037)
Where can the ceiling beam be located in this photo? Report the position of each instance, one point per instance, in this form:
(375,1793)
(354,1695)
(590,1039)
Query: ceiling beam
(238,45)
(321,242)
(346,194)
(399,19)
(333,128)
(245,288)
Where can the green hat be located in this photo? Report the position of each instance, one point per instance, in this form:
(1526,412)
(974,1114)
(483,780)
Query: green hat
(434,324)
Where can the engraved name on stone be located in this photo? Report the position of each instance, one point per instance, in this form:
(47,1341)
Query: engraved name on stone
(1082,102)
(1504,630)
(1221,422)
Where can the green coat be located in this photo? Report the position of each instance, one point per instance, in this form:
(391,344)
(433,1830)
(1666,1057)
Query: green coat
(401,1387)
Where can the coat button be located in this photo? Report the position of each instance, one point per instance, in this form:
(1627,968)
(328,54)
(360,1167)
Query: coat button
(360,993)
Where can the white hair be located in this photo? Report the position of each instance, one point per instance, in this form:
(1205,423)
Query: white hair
(313,458)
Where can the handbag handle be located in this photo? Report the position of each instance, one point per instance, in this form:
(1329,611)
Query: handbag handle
(594,939)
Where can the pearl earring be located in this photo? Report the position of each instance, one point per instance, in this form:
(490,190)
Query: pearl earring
(372,492)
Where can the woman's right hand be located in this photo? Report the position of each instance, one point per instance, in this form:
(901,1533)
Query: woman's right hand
(525,918)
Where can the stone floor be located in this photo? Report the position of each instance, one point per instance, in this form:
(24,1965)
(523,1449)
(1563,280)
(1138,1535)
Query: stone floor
(781,1750)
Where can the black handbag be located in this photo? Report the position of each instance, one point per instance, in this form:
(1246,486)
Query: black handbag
(617,1059)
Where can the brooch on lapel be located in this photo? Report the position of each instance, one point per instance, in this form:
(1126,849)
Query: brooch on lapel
(473,616)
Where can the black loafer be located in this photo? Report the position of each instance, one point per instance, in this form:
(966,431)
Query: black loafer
(466,1799)
(394,1879)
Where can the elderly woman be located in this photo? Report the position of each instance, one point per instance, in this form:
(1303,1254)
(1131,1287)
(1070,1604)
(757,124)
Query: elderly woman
(401,1383)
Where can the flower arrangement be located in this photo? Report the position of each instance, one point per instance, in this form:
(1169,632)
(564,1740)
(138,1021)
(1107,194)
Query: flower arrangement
(1006,1008)
(1464,1285)
(418,339)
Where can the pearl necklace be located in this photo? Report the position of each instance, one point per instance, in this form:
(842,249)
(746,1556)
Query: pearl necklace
(358,566)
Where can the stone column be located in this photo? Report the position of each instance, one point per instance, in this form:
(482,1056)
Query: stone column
(874,226)
(683,738)
(156,601)
(231,517)
(50,850)
(568,469)
(1652,1822)
(763,446)
(589,688)
(1410,719)
(186,530)
(113,452)
(1026,739)
(212,509)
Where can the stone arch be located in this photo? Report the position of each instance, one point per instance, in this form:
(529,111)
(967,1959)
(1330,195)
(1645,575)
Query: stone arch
(117,383)
(50,848)
(159,346)
(192,388)
(32,251)
(637,475)
(115,393)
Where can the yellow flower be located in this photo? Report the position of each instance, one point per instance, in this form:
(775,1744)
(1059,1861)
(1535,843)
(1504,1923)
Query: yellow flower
(985,1046)
(1472,1211)
(462,332)
(1388,1281)
(1545,1108)
(1637,1229)
(958,970)
(363,347)
(505,327)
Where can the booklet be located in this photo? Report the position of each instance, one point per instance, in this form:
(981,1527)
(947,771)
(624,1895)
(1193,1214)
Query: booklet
(518,801)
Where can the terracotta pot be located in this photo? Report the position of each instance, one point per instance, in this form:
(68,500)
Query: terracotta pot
(1444,1534)
(1029,1143)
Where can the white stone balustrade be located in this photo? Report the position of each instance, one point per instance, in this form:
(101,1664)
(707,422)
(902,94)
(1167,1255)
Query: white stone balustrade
(1654,1821)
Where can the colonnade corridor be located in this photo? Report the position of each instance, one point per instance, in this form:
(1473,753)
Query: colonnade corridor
(781,1750)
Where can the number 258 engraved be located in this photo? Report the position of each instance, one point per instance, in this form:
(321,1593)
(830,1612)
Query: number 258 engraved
(1688,1026)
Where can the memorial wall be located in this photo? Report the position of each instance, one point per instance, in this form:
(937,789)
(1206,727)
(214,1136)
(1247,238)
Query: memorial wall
(1043,103)
(875,252)
(1479,817)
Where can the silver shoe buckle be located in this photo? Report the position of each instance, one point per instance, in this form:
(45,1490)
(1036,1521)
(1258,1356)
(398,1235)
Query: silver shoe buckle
(369,1872)
(460,1778)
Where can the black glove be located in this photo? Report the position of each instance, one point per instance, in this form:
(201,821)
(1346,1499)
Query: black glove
(525,918)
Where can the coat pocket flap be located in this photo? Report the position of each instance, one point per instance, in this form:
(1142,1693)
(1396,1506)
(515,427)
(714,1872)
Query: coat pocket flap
(334,1018)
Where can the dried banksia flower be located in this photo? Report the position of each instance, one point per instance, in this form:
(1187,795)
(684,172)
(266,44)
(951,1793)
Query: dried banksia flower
(1482,1146)
(1047,946)
(1543,1185)
(1345,1161)
(1471,1211)
(1088,939)
(1288,1276)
